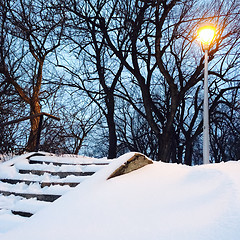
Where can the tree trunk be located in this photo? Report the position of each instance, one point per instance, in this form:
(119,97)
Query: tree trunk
(165,147)
(35,108)
(188,153)
(168,132)
(112,150)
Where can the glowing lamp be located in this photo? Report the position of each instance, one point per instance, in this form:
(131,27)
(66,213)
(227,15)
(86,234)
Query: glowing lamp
(206,34)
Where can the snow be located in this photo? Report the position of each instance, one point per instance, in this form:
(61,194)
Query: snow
(33,188)
(7,170)
(158,201)
(36,183)
(10,172)
(19,204)
(74,159)
(63,168)
(8,221)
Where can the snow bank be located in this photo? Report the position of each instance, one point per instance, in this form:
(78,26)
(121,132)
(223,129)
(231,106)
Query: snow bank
(158,201)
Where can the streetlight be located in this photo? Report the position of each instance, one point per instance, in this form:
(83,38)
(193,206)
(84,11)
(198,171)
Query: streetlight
(206,35)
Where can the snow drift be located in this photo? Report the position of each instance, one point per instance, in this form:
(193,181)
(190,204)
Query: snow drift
(158,201)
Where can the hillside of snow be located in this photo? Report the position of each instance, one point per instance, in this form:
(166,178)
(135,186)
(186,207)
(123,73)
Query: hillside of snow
(158,201)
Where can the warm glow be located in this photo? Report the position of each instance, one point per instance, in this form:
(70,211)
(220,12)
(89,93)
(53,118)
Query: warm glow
(206,34)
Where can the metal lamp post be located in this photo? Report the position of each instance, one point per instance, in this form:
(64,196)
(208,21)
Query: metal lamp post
(205,113)
(206,35)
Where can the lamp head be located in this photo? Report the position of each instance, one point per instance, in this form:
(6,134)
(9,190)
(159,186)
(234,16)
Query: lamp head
(206,34)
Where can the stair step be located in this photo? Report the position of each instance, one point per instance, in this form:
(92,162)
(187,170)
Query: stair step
(21,213)
(14,181)
(48,184)
(60,174)
(39,197)
(63,163)
(36,154)
(42,184)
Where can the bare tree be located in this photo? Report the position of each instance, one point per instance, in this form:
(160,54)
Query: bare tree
(159,39)
(98,71)
(31,31)
(138,62)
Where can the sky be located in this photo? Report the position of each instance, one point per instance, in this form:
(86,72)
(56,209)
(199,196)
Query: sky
(159,201)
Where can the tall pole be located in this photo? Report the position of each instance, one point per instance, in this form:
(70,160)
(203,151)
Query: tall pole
(206,34)
(205,113)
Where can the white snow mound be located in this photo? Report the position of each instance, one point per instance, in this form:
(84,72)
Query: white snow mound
(158,201)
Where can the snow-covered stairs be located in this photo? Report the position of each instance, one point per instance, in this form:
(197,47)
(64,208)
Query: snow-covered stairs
(32,181)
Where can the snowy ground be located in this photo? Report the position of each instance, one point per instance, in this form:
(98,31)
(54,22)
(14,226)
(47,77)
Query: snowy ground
(158,201)
(16,187)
